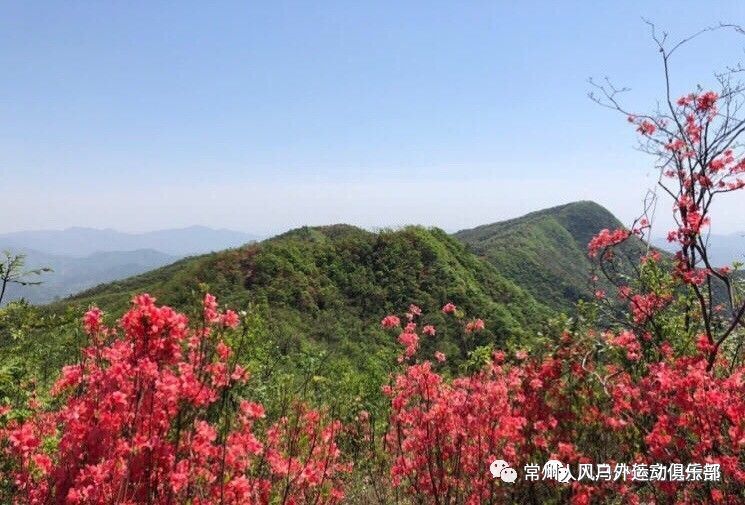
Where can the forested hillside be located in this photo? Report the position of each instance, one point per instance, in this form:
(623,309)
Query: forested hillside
(316,296)
(545,252)
(310,276)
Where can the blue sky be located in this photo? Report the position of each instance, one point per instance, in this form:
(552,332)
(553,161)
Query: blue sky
(262,116)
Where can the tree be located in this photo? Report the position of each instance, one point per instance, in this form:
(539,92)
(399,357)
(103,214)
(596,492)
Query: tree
(696,140)
(12,271)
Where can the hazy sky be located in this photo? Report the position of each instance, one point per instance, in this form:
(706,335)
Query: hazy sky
(261,116)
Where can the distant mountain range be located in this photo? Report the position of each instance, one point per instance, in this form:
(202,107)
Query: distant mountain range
(70,275)
(81,242)
(81,258)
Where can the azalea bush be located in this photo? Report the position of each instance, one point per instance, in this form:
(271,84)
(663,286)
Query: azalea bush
(571,405)
(151,414)
(696,141)
(154,413)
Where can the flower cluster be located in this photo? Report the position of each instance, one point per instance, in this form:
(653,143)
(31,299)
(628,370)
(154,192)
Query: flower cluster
(700,156)
(144,420)
(628,342)
(444,433)
(644,305)
(681,412)
(606,239)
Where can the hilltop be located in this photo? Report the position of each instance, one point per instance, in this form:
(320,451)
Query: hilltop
(306,274)
(545,252)
(317,294)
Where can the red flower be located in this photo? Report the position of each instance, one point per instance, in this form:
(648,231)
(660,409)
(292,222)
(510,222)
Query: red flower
(706,102)
(606,238)
(475,325)
(449,308)
(390,322)
(135,407)
(230,319)
(92,321)
(646,127)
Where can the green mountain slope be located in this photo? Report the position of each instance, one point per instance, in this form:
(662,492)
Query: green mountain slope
(318,294)
(321,293)
(545,252)
(312,275)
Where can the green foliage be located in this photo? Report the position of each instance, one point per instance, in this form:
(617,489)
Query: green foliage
(316,297)
(34,345)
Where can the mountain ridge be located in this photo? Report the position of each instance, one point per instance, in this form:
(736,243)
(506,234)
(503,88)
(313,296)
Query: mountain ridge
(319,293)
(322,291)
(545,251)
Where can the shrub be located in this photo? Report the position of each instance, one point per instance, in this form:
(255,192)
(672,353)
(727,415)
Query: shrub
(150,415)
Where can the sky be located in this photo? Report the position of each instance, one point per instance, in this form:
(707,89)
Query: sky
(264,116)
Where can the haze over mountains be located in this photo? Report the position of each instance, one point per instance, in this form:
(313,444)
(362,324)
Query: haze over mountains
(71,274)
(81,242)
(81,258)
